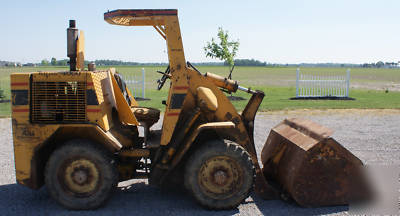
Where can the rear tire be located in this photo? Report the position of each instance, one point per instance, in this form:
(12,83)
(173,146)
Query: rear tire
(80,176)
(219,175)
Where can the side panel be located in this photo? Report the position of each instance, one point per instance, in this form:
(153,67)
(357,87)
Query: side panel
(99,108)
(30,139)
(26,139)
(25,136)
(33,144)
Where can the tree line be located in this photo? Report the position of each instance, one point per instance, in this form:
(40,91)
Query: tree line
(237,62)
(381,64)
(107,62)
(101,62)
(249,62)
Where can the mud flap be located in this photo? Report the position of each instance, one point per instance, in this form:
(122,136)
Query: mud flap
(309,165)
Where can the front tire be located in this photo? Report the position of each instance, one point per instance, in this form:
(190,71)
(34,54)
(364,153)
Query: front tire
(80,175)
(219,175)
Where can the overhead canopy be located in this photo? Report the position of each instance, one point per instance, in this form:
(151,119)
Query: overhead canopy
(142,17)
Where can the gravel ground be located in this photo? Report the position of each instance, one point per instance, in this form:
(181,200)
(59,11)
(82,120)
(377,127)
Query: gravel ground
(371,135)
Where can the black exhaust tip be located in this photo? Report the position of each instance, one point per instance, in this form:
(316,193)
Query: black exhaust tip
(72,23)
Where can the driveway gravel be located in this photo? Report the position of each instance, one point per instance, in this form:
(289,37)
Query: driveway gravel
(372,135)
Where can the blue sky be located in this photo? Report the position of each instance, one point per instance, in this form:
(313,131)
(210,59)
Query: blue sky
(285,31)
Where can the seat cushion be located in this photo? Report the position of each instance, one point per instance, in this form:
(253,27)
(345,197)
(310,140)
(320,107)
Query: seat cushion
(146,114)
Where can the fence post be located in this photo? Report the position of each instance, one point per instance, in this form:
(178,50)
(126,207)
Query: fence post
(134,84)
(143,82)
(297,81)
(348,83)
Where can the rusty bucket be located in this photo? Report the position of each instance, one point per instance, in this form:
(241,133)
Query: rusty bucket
(310,166)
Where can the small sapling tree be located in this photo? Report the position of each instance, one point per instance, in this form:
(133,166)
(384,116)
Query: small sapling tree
(224,50)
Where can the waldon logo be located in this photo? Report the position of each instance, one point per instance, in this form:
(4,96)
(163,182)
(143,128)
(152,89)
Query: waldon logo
(24,132)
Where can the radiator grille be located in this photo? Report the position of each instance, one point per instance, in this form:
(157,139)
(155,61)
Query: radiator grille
(58,102)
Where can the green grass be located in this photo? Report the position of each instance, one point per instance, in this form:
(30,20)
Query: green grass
(277,83)
(278,98)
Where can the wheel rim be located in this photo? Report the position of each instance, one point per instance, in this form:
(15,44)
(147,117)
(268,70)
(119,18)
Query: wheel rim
(220,177)
(79,177)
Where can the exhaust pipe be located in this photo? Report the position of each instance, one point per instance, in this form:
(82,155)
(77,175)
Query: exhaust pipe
(72,37)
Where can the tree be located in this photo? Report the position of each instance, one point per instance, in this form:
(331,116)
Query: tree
(249,62)
(62,62)
(224,50)
(44,62)
(53,61)
(380,64)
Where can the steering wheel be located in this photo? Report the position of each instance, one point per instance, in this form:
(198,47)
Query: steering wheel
(166,74)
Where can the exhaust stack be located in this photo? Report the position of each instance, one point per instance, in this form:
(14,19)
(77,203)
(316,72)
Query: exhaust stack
(72,37)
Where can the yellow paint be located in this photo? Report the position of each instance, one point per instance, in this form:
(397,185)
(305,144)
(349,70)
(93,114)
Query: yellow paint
(168,25)
(90,171)
(222,82)
(184,80)
(207,99)
(179,78)
(133,101)
(104,117)
(219,176)
(80,52)
(53,76)
(27,137)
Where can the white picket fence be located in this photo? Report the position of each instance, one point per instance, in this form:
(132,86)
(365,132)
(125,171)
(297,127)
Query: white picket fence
(136,84)
(322,84)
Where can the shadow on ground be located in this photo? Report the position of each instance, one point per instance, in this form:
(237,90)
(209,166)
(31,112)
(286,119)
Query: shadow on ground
(279,207)
(141,199)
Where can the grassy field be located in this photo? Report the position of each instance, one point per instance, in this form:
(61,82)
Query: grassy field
(372,88)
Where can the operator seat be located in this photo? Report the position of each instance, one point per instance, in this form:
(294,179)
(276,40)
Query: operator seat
(144,115)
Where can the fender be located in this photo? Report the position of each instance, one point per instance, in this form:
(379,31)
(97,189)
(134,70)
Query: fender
(216,126)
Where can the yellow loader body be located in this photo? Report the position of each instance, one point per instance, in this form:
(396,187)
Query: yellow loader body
(78,132)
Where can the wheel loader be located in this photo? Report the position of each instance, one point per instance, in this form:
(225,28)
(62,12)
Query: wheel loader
(81,132)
